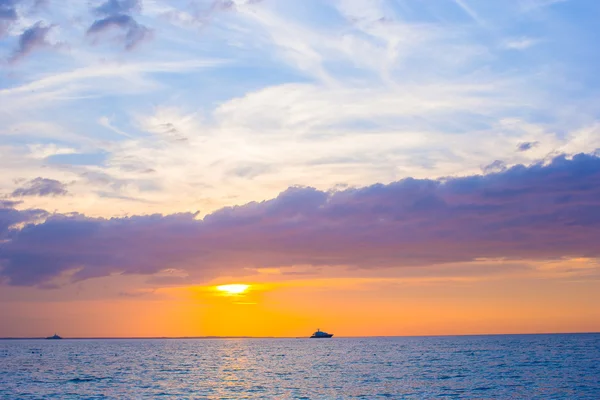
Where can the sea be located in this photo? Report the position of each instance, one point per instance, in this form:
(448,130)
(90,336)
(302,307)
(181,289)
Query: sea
(561,366)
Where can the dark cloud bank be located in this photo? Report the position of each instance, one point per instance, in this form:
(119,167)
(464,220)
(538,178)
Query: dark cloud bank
(535,212)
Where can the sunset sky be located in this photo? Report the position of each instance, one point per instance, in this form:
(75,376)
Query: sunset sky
(367,167)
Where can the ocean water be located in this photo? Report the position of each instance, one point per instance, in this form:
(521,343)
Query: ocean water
(467,367)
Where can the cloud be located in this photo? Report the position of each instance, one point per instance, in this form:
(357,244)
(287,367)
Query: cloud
(526,146)
(116,14)
(353,91)
(105,73)
(114,7)
(10,217)
(8,203)
(231,4)
(41,187)
(34,37)
(496,166)
(8,15)
(171,124)
(520,43)
(7,10)
(538,212)
(199,14)
(469,11)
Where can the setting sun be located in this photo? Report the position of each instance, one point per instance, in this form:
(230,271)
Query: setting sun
(233,289)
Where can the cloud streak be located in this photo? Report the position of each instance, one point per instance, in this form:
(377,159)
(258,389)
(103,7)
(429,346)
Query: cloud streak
(538,212)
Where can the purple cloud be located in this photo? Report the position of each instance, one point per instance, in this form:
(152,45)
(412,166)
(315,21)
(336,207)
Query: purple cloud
(115,15)
(496,166)
(41,187)
(526,146)
(543,211)
(33,38)
(10,217)
(134,32)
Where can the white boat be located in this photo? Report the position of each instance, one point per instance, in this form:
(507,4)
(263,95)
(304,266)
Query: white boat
(321,335)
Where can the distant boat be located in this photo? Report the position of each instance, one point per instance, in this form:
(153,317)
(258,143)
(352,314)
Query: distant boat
(321,335)
(53,337)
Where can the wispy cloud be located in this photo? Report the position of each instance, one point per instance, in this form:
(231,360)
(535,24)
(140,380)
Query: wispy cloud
(469,11)
(96,81)
(520,43)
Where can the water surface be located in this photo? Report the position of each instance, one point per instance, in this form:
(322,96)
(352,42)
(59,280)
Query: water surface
(467,367)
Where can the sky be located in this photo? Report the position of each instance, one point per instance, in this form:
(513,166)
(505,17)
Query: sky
(367,167)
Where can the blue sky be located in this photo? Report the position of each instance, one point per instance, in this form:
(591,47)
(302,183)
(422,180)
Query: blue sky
(138,107)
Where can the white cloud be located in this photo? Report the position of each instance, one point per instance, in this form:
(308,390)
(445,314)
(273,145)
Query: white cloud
(521,43)
(377,92)
(109,78)
(41,151)
(169,123)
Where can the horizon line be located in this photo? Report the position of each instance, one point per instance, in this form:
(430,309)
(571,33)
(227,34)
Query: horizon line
(295,337)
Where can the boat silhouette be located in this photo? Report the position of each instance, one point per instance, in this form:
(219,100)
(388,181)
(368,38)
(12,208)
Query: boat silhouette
(55,337)
(321,335)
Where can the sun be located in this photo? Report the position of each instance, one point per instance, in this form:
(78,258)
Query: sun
(233,289)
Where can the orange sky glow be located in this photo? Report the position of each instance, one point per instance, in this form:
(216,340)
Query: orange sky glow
(543,297)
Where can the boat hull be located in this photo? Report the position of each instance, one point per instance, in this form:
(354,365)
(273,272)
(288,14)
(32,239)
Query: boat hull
(322,337)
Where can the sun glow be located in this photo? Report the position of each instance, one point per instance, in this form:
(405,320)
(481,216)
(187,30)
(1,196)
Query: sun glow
(233,289)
